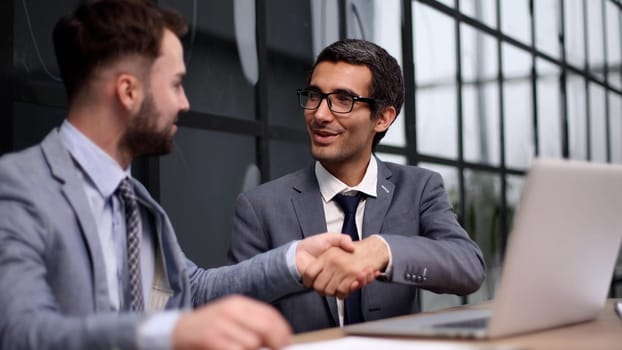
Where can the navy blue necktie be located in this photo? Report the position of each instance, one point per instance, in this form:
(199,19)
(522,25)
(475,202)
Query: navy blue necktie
(352,303)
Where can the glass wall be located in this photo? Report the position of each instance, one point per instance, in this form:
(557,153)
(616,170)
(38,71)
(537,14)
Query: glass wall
(516,79)
(490,84)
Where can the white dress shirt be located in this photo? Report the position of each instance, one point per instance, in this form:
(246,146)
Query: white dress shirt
(331,186)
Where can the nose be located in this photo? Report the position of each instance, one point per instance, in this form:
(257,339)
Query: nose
(323,112)
(185,104)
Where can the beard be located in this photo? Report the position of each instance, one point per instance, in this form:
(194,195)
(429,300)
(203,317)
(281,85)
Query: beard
(143,137)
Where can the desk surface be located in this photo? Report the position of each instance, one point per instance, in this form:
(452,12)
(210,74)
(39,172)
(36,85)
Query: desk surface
(603,333)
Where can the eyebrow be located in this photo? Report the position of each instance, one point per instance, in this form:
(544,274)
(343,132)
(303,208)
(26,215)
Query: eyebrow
(341,91)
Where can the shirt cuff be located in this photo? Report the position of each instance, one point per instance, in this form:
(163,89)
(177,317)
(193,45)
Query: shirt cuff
(386,274)
(157,331)
(291,262)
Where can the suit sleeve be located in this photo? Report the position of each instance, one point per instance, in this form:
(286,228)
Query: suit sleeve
(266,277)
(30,316)
(257,270)
(440,257)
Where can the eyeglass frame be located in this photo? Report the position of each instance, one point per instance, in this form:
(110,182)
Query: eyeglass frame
(324,96)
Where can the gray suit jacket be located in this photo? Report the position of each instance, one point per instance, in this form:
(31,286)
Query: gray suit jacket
(53,292)
(412,213)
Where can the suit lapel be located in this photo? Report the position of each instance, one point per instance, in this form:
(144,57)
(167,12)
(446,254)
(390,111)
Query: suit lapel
(307,203)
(64,170)
(376,208)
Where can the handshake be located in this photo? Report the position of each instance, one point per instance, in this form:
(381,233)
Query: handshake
(332,264)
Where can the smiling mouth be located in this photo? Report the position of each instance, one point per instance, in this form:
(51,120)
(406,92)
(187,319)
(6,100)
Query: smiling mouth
(323,133)
(323,137)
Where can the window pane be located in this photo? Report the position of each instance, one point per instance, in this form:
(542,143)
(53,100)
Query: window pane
(198,196)
(549,115)
(218,80)
(546,22)
(359,17)
(290,58)
(614,42)
(393,158)
(480,96)
(615,120)
(435,55)
(482,221)
(595,38)
(435,74)
(436,121)
(481,123)
(449,3)
(396,135)
(515,20)
(615,77)
(575,40)
(484,11)
(34,56)
(478,55)
(515,185)
(388,34)
(324,24)
(34,77)
(577,125)
(598,131)
(517,110)
(435,79)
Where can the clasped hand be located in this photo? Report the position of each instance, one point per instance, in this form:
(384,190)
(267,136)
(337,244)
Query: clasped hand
(332,264)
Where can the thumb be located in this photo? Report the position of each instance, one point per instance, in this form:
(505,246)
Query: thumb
(342,241)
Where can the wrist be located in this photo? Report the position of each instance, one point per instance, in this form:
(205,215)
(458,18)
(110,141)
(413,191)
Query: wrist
(379,249)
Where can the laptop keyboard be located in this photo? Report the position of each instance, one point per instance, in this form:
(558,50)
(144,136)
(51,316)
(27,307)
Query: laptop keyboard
(472,323)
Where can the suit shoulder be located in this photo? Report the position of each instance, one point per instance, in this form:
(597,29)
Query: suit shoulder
(25,176)
(410,170)
(279,184)
(24,163)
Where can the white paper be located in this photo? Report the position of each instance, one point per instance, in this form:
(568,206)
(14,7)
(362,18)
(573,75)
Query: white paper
(369,343)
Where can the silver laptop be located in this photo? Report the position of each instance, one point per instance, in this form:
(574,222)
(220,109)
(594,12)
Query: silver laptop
(559,260)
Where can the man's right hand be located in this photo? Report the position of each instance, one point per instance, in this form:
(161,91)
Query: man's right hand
(234,322)
(311,252)
(339,273)
(312,247)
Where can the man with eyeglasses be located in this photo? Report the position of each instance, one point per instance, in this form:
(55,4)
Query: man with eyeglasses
(407,229)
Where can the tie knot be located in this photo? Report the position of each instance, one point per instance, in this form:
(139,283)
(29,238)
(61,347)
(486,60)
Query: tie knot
(348,203)
(125,190)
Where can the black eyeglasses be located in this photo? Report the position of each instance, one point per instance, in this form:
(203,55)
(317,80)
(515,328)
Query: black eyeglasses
(338,102)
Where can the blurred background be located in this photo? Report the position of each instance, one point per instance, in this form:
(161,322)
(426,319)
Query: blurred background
(490,84)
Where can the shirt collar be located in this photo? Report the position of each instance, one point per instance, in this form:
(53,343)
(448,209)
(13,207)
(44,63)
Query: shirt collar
(330,185)
(103,171)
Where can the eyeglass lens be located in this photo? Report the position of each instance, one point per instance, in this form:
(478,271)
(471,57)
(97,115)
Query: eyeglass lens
(337,101)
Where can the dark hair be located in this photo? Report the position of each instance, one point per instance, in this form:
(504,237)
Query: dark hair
(102,31)
(387,83)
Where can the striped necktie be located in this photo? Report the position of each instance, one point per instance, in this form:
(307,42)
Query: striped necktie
(126,193)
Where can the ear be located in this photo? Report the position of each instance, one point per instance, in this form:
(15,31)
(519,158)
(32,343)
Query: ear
(385,119)
(129,92)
